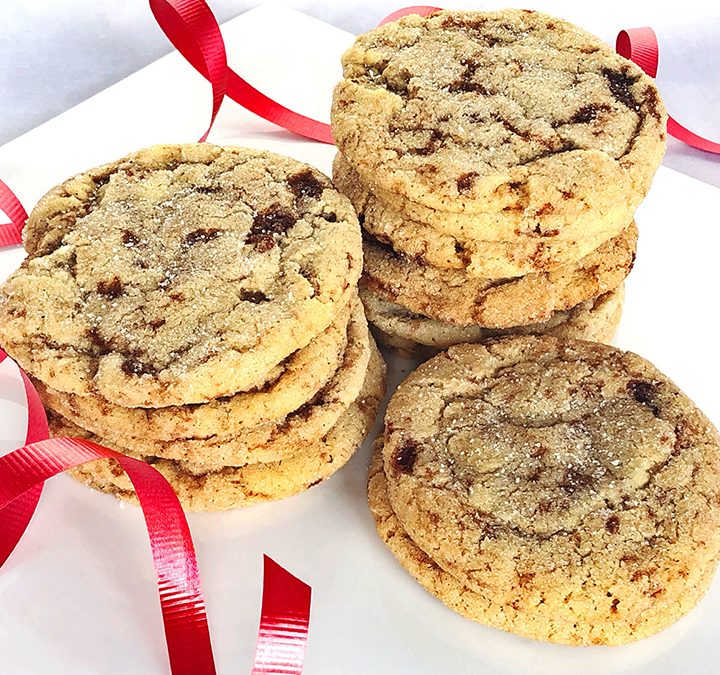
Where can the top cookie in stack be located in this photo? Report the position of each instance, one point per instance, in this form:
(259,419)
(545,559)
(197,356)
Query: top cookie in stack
(484,147)
(197,306)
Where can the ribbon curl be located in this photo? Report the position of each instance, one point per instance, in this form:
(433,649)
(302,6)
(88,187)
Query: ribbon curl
(16,516)
(193,30)
(191,26)
(640,45)
(22,474)
(285,612)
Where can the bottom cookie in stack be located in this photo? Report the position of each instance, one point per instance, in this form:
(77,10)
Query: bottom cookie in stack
(558,489)
(413,335)
(240,464)
(418,309)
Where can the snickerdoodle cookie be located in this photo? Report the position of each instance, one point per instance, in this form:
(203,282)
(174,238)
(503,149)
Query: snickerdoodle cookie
(560,489)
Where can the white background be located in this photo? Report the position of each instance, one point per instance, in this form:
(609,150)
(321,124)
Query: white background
(78,595)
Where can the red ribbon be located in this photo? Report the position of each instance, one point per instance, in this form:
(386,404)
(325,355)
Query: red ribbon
(203,36)
(284,617)
(285,612)
(422,10)
(11,233)
(16,516)
(22,474)
(193,30)
(640,45)
(191,26)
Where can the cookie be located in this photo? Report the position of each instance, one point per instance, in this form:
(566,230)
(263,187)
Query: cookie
(416,336)
(428,244)
(179,274)
(518,118)
(237,487)
(297,381)
(453,297)
(268,442)
(571,485)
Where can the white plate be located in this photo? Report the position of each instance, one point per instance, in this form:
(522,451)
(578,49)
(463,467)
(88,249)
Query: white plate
(78,595)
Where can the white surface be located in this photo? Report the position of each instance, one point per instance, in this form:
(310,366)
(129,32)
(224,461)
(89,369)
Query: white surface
(55,54)
(78,595)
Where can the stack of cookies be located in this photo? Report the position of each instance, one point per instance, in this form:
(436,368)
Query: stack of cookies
(196,307)
(496,161)
(559,489)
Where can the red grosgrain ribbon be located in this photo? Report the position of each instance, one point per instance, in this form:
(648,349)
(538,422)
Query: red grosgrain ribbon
(191,26)
(285,613)
(422,10)
(640,45)
(17,515)
(283,622)
(193,30)
(11,233)
(22,473)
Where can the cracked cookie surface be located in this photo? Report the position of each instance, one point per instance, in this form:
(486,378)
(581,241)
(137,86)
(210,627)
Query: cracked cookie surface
(528,611)
(519,118)
(569,482)
(413,335)
(452,296)
(179,274)
(238,487)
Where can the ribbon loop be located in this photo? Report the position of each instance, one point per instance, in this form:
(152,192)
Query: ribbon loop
(22,474)
(640,46)
(17,515)
(285,611)
(191,26)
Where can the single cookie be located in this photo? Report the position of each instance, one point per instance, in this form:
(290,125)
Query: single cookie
(521,119)
(569,483)
(232,488)
(415,336)
(426,244)
(453,297)
(297,381)
(269,442)
(179,274)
